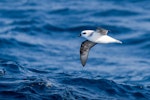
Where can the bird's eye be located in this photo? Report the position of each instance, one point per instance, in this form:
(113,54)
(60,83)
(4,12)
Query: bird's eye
(84,33)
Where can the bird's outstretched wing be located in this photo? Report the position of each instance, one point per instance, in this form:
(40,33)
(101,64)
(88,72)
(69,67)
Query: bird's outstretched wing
(102,31)
(84,51)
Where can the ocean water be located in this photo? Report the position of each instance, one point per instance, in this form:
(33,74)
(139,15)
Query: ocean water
(39,50)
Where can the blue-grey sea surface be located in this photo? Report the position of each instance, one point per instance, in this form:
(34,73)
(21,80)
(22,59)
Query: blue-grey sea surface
(39,50)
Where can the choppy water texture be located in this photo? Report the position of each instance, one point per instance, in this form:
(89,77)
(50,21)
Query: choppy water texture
(39,50)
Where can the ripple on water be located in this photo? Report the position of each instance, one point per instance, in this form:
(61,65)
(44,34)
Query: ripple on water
(39,50)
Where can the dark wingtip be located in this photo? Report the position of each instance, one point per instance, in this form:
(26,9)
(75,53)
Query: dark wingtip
(83,65)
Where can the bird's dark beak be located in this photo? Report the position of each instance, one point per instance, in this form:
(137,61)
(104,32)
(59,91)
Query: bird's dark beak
(79,35)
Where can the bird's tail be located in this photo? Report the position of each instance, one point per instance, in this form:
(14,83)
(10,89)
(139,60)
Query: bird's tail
(107,39)
(118,41)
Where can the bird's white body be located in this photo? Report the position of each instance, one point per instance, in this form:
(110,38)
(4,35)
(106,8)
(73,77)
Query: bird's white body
(98,38)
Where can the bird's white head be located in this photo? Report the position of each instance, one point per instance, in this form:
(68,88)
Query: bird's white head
(86,33)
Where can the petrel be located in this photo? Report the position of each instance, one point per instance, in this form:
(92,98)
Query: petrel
(93,37)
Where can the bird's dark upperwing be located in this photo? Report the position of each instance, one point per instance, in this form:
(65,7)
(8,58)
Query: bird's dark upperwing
(102,31)
(84,51)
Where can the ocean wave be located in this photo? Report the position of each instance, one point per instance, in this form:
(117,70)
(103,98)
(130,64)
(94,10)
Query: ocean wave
(103,86)
(39,50)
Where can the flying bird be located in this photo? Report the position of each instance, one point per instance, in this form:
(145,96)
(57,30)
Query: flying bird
(93,37)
